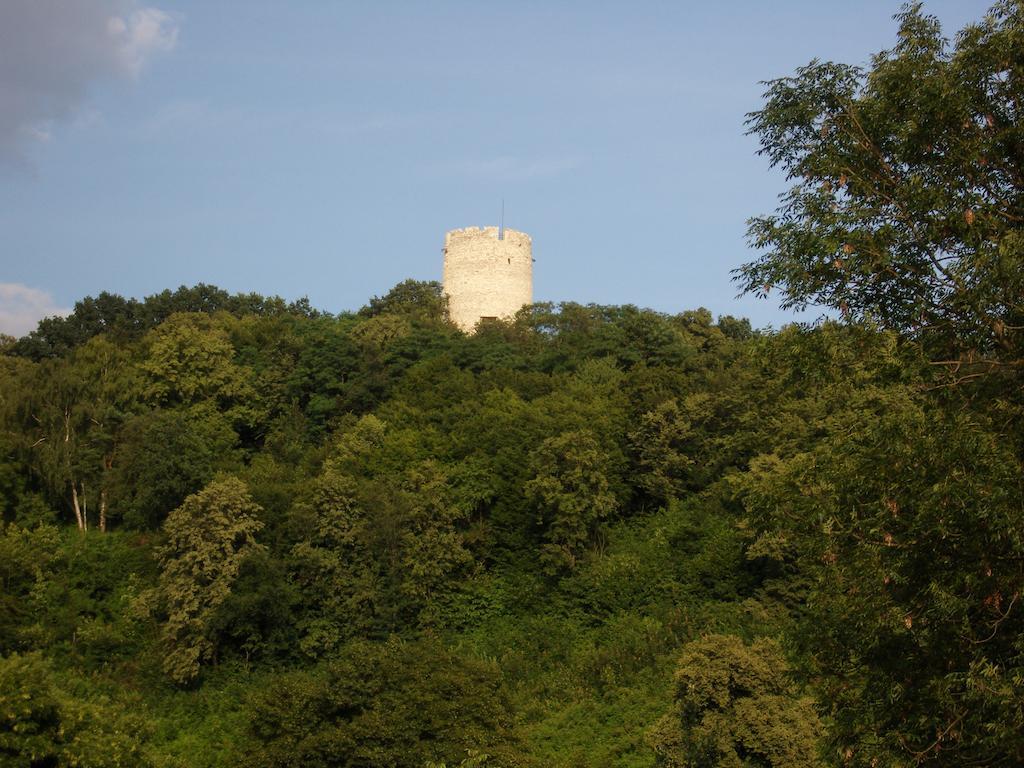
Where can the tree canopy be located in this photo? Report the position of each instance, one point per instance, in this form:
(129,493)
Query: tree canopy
(907,208)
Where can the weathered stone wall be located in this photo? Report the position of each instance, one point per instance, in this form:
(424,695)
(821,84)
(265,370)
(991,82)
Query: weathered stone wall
(485,276)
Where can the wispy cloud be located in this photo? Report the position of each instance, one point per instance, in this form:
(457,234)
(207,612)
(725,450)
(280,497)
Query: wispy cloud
(511,168)
(53,50)
(136,36)
(22,307)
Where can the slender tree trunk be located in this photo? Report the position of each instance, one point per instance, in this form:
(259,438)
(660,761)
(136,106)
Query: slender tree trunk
(79,517)
(85,509)
(78,510)
(108,465)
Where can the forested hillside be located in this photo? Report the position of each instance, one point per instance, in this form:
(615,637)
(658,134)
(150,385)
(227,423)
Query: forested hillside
(261,535)
(238,531)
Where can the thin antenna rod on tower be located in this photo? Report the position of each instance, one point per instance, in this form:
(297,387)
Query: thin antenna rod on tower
(501,226)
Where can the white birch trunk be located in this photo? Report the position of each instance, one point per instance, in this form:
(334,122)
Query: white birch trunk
(79,518)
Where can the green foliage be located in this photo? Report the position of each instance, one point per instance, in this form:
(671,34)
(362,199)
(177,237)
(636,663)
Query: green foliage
(26,555)
(379,545)
(735,705)
(908,521)
(396,703)
(424,299)
(72,411)
(13,491)
(125,319)
(208,538)
(570,490)
(329,566)
(256,620)
(412,477)
(189,360)
(907,205)
(597,730)
(473,759)
(687,551)
(86,615)
(29,711)
(165,455)
(431,545)
(41,725)
(660,443)
(320,376)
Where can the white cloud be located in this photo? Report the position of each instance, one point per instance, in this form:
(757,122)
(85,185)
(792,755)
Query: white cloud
(53,50)
(144,32)
(22,307)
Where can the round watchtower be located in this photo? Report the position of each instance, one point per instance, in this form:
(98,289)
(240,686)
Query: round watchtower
(488,273)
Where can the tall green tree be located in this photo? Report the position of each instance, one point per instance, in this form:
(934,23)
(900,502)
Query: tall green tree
(659,442)
(383,538)
(26,558)
(164,455)
(71,411)
(908,203)
(907,211)
(423,299)
(208,538)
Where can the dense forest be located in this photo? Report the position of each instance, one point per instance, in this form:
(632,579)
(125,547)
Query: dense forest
(240,531)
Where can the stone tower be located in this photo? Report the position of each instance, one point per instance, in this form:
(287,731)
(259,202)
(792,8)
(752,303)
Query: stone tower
(488,273)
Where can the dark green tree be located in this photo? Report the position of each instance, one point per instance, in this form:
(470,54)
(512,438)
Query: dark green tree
(166,454)
(70,412)
(29,712)
(396,703)
(907,522)
(659,442)
(26,557)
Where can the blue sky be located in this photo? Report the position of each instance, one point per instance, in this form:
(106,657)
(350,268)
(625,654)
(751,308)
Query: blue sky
(321,149)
